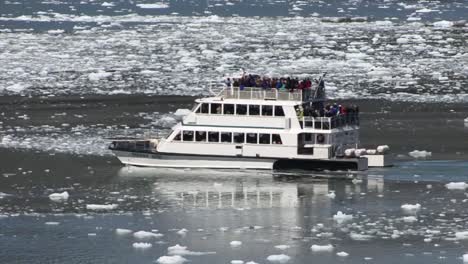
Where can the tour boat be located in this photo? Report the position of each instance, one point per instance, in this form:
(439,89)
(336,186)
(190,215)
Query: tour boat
(258,128)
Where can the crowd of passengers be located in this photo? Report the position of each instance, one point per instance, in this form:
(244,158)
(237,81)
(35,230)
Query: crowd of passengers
(283,83)
(329,110)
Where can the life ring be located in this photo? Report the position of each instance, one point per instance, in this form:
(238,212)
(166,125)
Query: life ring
(320,138)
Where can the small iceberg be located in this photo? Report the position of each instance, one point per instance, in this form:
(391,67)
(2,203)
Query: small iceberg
(101,207)
(58,197)
(282,258)
(340,217)
(141,245)
(171,260)
(456,185)
(146,235)
(322,248)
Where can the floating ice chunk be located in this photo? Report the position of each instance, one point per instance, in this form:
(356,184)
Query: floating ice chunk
(107,4)
(465,258)
(411,207)
(17,87)
(52,223)
(182,112)
(182,232)
(183,251)
(99,207)
(57,197)
(171,260)
(122,231)
(282,247)
(340,217)
(443,24)
(153,6)
(360,237)
(331,194)
(96,76)
(322,248)
(251,262)
(237,262)
(235,243)
(146,235)
(462,235)
(420,154)
(141,245)
(456,185)
(410,219)
(282,258)
(342,254)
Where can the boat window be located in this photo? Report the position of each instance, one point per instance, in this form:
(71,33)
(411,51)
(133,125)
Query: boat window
(279,110)
(226,137)
(200,136)
(213,136)
(252,138)
(239,138)
(216,109)
(254,110)
(264,138)
(276,139)
(309,137)
(187,136)
(204,108)
(177,137)
(267,110)
(241,109)
(228,109)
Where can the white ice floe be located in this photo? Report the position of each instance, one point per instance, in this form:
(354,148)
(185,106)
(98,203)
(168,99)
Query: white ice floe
(340,217)
(322,248)
(410,219)
(443,24)
(465,258)
(171,260)
(282,247)
(101,207)
(97,76)
(142,245)
(360,237)
(123,231)
(153,6)
(462,235)
(331,194)
(411,207)
(182,112)
(146,235)
(342,254)
(182,232)
(251,262)
(52,223)
(183,251)
(456,185)
(57,197)
(282,258)
(420,154)
(237,262)
(17,87)
(235,243)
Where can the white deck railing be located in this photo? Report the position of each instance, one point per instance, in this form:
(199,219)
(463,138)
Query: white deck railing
(326,123)
(255,93)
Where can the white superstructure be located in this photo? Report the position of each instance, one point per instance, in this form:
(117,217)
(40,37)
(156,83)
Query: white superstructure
(255,128)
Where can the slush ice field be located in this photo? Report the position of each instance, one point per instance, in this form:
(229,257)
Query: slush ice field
(180,55)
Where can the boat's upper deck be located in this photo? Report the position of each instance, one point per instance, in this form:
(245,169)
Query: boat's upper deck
(255,93)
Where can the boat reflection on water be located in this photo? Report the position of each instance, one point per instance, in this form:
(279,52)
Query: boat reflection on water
(250,189)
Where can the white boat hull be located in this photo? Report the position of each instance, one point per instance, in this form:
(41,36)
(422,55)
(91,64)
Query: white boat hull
(168,160)
(189,161)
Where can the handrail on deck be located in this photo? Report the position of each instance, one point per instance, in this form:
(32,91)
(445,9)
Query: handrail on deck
(332,122)
(261,94)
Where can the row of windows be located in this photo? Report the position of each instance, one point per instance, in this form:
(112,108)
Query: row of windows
(228,137)
(240,109)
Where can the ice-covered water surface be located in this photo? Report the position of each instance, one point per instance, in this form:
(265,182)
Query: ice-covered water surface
(180,55)
(215,216)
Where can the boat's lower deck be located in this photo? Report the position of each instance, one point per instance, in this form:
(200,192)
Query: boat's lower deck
(171,160)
